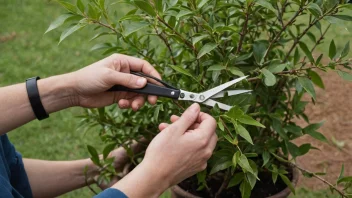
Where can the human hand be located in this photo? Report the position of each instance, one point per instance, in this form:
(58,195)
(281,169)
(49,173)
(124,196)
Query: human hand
(91,82)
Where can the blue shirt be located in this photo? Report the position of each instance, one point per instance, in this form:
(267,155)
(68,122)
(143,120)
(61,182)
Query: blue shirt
(13,178)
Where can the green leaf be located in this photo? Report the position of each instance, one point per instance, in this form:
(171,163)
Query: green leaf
(296,56)
(100,46)
(145,6)
(315,10)
(201,3)
(304,149)
(345,75)
(108,149)
(318,136)
(235,71)
(288,183)
(159,5)
(156,113)
(346,50)
(235,159)
(259,48)
(245,189)
(332,49)
(293,149)
(269,79)
(183,13)
(235,112)
(342,171)
(266,4)
(71,30)
(206,49)
(134,27)
(344,180)
(266,157)
(220,166)
(238,178)
(59,21)
(246,119)
(319,59)
(196,39)
(244,164)
(306,51)
(221,126)
(244,133)
(343,17)
(68,6)
(316,79)
(277,68)
(181,70)
(94,155)
(80,6)
(216,68)
(307,84)
(274,176)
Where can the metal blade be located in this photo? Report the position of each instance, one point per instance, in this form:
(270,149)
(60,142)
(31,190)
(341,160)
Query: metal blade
(230,93)
(212,103)
(217,89)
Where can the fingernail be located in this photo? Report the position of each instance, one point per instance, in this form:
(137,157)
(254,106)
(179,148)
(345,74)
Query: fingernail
(141,81)
(194,108)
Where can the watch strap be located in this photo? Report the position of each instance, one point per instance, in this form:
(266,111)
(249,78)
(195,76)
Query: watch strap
(34,98)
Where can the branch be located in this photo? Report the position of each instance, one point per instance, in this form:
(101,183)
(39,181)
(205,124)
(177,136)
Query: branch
(105,25)
(161,36)
(227,129)
(243,32)
(224,184)
(320,178)
(281,31)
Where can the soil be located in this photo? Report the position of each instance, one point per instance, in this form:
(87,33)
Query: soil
(334,105)
(263,188)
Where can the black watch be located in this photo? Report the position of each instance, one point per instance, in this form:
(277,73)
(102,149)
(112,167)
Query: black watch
(34,98)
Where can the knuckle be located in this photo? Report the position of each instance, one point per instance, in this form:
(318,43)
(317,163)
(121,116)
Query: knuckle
(130,79)
(208,153)
(203,167)
(203,143)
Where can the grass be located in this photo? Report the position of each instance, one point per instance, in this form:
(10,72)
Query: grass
(26,52)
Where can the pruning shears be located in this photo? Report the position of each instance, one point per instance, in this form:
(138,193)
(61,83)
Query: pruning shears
(169,91)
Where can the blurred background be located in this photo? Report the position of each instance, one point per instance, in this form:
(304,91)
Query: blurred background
(26,52)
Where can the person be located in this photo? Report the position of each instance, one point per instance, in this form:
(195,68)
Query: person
(165,164)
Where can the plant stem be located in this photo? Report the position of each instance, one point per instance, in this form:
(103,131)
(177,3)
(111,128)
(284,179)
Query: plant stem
(320,178)
(162,37)
(224,184)
(243,32)
(227,129)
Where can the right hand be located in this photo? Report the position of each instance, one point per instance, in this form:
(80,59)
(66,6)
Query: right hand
(182,148)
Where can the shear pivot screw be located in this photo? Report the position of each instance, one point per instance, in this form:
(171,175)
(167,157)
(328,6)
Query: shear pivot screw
(182,95)
(201,97)
(172,93)
(191,96)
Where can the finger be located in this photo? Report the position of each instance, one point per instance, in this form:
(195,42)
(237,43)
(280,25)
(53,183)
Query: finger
(137,64)
(174,118)
(152,99)
(137,102)
(163,126)
(207,123)
(188,118)
(124,104)
(125,79)
(213,141)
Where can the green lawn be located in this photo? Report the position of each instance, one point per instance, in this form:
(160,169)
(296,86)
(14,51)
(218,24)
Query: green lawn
(26,52)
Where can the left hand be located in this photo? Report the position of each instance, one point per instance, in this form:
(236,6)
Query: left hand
(91,82)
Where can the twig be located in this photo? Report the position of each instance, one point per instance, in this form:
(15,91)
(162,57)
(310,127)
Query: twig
(227,129)
(224,183)
(243,32)
(320,178)
(87,183)
(105,25)
(161,36)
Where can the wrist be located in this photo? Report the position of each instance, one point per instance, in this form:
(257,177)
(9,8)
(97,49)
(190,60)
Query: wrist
(56,93)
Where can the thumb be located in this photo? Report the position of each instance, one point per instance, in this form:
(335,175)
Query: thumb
(127,80)
(188,118)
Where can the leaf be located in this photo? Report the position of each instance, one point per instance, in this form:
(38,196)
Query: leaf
(94,155)
(246,119)
(266,157)
(293,149)
(206,49)
(201,3)
(304,149)
(296,57)
(346,50)
(342,171)
(318,136)
(307,85)
(68,6)
(319,59)
(100,46)
(345,75)
(245,189)
(269,79)
(343,17)
(221,126)
(235,71)
(196,39)
(277,68)
(183,13)
(145,6)
(288,183)
(220,166)
(80,6)
(315,10)
(306,51)
(235,180)
(274,176)
(311,36)
(332,49)
(244,133)
(181,70)
(156,113)
(58,22)
(259,48)
(344,179)
(266,4)
(159,5)
(134,27)
(244,164)
(235,159)
(108,149)
(316,79)
(216,68)
(71,30)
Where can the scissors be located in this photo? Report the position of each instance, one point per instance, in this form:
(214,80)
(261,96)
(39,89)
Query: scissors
(169,91)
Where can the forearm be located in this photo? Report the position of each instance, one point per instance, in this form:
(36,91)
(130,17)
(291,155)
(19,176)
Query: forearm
(16,110)
(54,178)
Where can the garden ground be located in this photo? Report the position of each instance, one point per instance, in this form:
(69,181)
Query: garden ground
(26,52)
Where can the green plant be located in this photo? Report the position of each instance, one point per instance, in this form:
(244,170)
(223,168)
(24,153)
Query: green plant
(199,44)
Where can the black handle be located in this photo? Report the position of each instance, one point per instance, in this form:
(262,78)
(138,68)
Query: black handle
(150,89)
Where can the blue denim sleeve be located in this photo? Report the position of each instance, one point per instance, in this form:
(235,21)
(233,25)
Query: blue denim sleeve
(111,193)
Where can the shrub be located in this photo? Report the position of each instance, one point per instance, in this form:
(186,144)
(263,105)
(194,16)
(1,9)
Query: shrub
(199,44)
